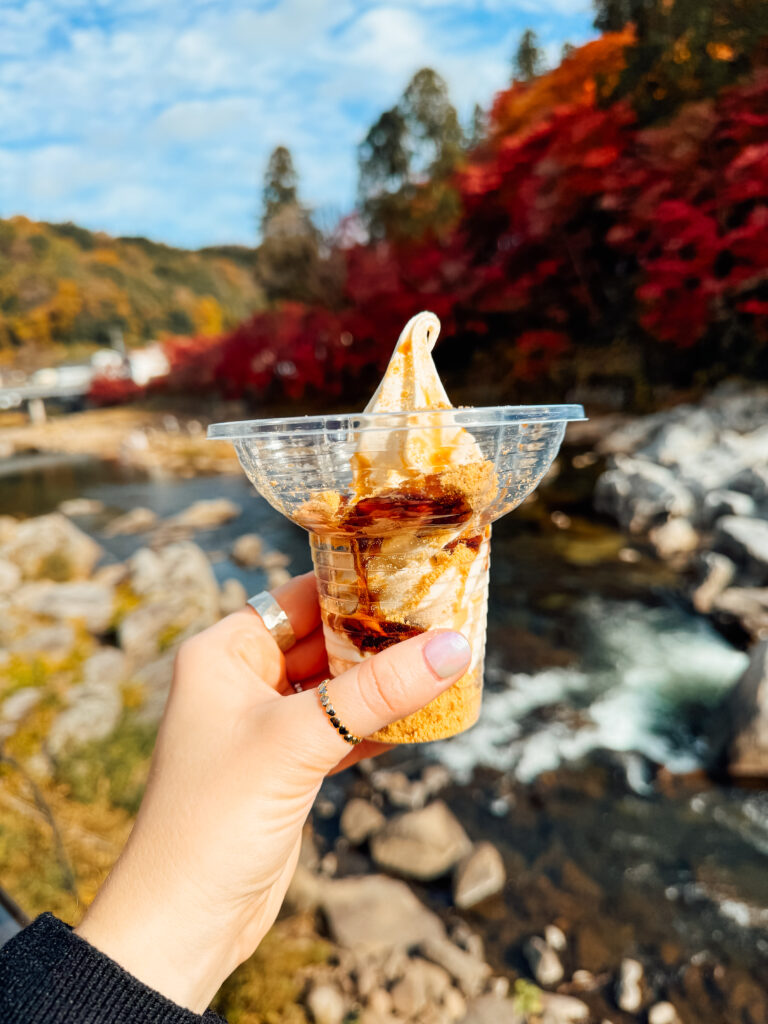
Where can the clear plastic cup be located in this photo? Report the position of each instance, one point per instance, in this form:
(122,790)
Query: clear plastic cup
(413,555)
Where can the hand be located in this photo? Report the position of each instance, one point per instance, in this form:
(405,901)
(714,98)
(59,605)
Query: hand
(238,762)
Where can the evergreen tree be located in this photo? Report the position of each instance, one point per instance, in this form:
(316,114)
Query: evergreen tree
(478,127)
(613,15)
(566,51)
(528,61)
(280,184)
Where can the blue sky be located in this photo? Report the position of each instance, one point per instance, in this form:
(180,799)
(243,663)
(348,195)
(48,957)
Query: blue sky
(156,117)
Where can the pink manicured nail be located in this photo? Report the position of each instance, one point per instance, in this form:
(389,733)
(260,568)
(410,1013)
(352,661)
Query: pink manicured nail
(447,653)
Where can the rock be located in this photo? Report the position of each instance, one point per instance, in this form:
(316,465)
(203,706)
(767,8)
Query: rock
(16,707)
(747,715)
(375,913)
(304,891)
(277,578)
(326,1004)
(56,641)
(52,547)
(232,596)
(81,507)
(247,550)
(499,986)
(206,515)
(138,520)
(434,778)
(717,504)
(478,876)
(454,1005)
(379,1001)
(8,527)
(663,1013)
(558,1009)
(275,560)
(360,820)
(673,538)
(693,433)
(629,436)
(555,937)
(745,538)
(640,494)
(94,706)
(81,600)
(10,576)
(544,962)
(409,996)
(111,575)
(719,572)
(747,604)
(492,1010)
(752,483)
(470,973)
(423,844)
(629,991)
(399,789)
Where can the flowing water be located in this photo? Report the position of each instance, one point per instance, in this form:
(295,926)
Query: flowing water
(602,683)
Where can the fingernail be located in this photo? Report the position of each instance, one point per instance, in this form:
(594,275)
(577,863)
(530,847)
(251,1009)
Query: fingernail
(447,653)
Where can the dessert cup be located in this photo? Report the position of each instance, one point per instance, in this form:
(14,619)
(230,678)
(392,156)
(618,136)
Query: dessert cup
(412,552)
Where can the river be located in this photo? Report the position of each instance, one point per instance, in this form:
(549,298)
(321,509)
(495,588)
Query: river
(602,686)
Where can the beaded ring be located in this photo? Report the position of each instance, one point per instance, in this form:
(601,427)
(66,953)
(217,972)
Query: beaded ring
(342,730)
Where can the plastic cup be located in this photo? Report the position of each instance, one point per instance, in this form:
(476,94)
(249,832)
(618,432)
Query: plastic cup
(415,555)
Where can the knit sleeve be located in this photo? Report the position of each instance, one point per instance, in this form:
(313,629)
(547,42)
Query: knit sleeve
(49,975)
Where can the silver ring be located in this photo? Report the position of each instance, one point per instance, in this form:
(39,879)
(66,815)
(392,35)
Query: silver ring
(274,618)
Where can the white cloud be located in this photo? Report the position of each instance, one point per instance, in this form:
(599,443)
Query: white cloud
(151,118)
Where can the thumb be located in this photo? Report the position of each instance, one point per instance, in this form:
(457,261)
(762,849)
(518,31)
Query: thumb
(379,691)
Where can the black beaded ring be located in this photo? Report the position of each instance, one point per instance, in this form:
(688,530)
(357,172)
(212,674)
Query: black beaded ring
(342,730)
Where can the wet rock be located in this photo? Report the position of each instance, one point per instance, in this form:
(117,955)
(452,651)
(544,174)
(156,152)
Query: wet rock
(558,1009)
(138,520)
(10,576)
(57,640)
(719,573)
(544,962)
(747,604)
(423,844)
(247,550)
(326,1004)
(360,820)
(629,990)
(492,1010)
(375,913)
(81,507)
(478,876)
(206,515)
(52,547)
(16,707)
(745,539)
(470,973)
(663,1013)
(81,600)
(94,706)
(674,538)
(640,494)
(747,714)
(717,504)
(232,596)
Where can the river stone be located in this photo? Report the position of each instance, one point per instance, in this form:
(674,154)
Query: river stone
(719,573)
(640,494)
(695,432)
(81,600)
(399,789)
(753,483)
(138,520)
(745,538)
(247,550)
(10,576)
(747,714)
(544,962)
(492,1010)
(559,1009)
(232,596)
(423,844)
(81,507)
(277,577)
(52,547)
(629,991)
(555,937)
(207,514)
(478,876)
(674,538)
(275,560)
(470,973)
(360,820)
(747,604)
(663,1013)
(326,1004)
(95,705)
(717,504)
(374,913)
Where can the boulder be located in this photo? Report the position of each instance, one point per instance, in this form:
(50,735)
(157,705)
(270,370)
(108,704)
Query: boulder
(478,876)
(206,515)
(719,572)
(95,705)
(360,820)
(640,494)
(326,1004)
(629,989)
(51,547)
(138,520)
(423,844)
(544,962)
(492,1010)
(745,539)
(374,913)
(81,507)
(81,600)
(232,596)
(717,504)
(469,972)
(747,604)
(753,484)
(694,432)
(747,717)
(247,550)
(10,576)
(674,538)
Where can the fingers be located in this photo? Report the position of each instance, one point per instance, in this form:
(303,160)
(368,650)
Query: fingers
(298,599)
(308,658)
(379,691)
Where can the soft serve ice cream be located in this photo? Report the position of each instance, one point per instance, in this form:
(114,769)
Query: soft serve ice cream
(405,550)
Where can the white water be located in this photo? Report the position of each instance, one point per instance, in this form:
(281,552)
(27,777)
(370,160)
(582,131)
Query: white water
(643,673)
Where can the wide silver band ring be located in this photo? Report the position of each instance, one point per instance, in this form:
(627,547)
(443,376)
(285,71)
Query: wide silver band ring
(274,618)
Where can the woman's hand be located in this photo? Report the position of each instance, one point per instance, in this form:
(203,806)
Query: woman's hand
(238,762)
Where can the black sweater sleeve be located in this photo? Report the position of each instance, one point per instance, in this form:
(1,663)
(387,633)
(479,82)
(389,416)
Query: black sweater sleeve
(49,975)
